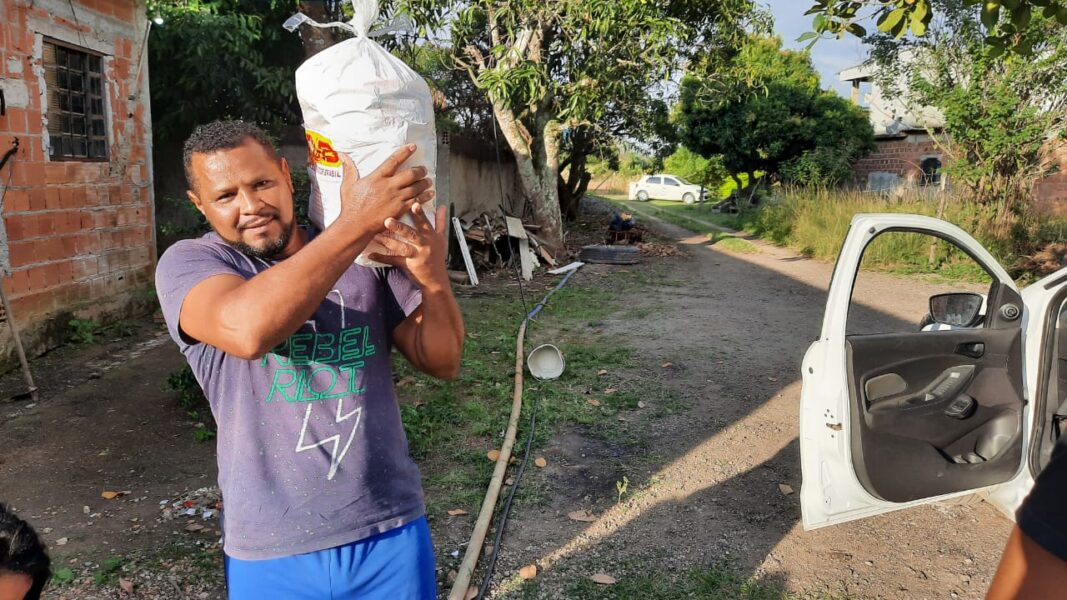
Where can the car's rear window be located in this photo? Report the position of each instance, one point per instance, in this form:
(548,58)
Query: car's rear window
(653,180)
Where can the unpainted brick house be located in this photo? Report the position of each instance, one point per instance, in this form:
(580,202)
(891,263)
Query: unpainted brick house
(905,155)
(77,195)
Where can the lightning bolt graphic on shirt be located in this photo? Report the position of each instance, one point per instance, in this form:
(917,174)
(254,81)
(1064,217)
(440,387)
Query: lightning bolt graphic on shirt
(333,442)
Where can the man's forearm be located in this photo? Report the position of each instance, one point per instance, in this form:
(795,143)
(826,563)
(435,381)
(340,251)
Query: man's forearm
(268,308)
(439,333)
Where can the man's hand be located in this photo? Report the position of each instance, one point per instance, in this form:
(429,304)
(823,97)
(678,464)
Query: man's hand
(419,250)
(367,203)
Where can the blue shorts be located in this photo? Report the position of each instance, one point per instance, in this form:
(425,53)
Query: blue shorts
(397,564)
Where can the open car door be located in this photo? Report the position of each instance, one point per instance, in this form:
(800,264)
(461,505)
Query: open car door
(892,420)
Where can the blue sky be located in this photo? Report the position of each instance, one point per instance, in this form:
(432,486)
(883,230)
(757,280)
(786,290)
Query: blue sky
(828,56)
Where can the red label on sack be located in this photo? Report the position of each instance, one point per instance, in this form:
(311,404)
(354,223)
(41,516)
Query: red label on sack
(320,150)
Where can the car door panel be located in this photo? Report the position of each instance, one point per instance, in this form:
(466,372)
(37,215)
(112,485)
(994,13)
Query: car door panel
(874,433)
(671,189)
(904,445)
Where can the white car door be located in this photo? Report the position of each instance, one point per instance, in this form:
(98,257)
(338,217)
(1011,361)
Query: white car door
(877,427)
(672,190)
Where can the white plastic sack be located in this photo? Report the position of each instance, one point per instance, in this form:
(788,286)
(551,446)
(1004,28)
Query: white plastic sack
(359,99)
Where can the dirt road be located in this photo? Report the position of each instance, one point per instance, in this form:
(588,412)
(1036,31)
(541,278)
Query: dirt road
(721,333)
(707,487)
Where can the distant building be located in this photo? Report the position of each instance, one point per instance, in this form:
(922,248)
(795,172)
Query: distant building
(906,155)
(77,196)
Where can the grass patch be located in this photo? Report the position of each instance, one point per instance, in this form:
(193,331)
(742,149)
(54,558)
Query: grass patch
(693,217)
(451,425)
(89,331)
(814,223)
(734,244)
(108,572)
(62,577)
(192,401)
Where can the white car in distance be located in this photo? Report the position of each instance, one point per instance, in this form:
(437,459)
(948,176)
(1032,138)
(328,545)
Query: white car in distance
(665,187)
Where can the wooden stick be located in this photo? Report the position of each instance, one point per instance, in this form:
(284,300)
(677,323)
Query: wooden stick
(18,346)
(481,527)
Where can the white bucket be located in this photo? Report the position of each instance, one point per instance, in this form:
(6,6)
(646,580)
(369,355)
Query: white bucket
(546,362)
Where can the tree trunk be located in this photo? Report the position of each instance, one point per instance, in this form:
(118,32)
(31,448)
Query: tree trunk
(539,185)
(737,180)
(316,40)
(574,186)
(546,208)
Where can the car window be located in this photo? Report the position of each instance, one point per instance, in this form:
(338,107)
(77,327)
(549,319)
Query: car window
(683,181)
(911,268)
(669,181)
(653,180)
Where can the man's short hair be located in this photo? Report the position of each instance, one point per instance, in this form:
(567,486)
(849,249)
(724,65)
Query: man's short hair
(21,552)
(221,135)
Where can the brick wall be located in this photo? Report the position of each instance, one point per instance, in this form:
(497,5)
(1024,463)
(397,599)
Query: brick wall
(80,233)
(903,156)
(898,156)
(1051,193)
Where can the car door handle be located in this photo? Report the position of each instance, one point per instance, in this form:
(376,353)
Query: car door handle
(971,350)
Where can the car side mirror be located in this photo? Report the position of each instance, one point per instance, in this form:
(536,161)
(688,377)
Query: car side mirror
(957,309)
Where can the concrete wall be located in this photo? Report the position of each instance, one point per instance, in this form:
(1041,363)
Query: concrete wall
(468,176)
(80,233)
(477,183)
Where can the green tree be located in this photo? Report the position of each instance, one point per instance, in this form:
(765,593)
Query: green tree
(214,59)
(1003,115)
(551,69)
(693,167)
(899,17)
(765,110)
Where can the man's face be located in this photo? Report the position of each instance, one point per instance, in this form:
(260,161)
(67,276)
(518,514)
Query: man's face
(13,586)
(247,196)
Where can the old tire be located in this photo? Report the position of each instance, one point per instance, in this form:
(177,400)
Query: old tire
(642,196)
(610,255)
(689,198)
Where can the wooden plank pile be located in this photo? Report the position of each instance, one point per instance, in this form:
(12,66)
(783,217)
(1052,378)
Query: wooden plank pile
(488,242)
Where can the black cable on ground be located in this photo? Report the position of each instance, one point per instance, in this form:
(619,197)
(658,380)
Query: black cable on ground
(503,518)
(506,509)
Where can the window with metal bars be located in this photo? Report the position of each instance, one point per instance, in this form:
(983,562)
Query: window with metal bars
(77,123)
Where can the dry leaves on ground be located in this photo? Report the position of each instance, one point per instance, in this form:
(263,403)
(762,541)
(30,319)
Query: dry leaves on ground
(603,579)
(457,512)
(528,572)
(593,401)
(541,462)
(494,455)
(650,249)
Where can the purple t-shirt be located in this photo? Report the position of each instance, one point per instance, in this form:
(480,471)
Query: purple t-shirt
(312,453)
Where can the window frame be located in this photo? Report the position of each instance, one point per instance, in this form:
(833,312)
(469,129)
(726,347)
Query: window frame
(87,95)
(932,179)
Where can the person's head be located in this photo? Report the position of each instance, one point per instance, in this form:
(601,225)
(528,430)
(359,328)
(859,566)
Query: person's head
(241,186)
(24,565)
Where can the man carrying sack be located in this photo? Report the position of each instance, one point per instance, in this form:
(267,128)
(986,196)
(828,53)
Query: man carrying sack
(291,342)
